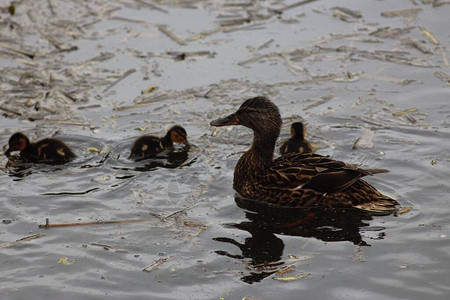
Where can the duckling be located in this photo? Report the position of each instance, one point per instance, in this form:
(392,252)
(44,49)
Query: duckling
(296,179)
(148,146)
(49,150)
(297,142)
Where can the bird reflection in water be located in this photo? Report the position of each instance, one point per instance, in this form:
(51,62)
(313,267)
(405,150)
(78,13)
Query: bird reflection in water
(173,160)
(19,169)
(263,251)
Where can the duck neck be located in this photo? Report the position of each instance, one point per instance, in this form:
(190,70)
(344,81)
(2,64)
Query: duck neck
(263,146)
(167,141)
(299,136)
(30,153)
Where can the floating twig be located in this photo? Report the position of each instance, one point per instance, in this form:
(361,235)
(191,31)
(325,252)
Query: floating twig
(386,32)
(444,57)
(50,7)
(122,19)
(405,112)
(153,6)
(10,111)
(25,239)
(68,95)
(259,57)
(319,101)
(290,6)
(444,77)
(166,30)
(123,76)
(420,45)
(266,44)
(68,122)
(99,58)
(107,247)
(156,264)
(403,12)
(206,33)
(56,43)
(250,26)
(346,14)
(429,35)
(89,106)
(18,50)
(48,225)
(371,121)
(397,59)
(437,3)
(179,212)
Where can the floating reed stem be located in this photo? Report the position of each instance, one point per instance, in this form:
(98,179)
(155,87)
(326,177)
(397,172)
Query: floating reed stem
(48,225)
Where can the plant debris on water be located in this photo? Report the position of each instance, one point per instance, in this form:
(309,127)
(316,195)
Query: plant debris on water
(371,76)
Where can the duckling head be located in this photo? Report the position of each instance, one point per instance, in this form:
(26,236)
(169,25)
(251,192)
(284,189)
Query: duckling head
(178,135)
(298,130)
(17,142)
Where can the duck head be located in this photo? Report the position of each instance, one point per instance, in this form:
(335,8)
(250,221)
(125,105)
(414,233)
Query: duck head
(17,142)
(259,114)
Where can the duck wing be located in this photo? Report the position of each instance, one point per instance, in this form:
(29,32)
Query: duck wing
(316,172)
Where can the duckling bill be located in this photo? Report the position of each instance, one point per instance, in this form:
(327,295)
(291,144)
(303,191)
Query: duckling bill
(149,146)
(297,143)
(49,150)
(296,179)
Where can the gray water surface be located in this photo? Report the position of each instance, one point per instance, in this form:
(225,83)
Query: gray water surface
(338,74)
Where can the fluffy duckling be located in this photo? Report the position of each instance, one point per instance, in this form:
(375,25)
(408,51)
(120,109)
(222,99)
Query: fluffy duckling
(297,142)
(48,150)
(148,146)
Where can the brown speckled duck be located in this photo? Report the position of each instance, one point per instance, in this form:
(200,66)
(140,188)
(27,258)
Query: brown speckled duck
(149,146)
(51,151)
(295,179)
(296,143)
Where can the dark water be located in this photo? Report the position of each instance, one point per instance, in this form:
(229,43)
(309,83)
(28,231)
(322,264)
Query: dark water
(215,246)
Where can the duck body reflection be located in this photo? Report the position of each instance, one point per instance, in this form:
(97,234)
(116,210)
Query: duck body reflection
(263,251)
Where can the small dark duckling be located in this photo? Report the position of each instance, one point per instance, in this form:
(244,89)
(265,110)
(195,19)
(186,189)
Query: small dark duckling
(48,150)
(297,142)
(148,146)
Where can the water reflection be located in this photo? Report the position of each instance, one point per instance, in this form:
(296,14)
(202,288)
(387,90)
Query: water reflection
(171,161)
(262,252)
(19,169)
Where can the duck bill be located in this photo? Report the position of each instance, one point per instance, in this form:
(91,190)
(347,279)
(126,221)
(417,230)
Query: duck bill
(230,120)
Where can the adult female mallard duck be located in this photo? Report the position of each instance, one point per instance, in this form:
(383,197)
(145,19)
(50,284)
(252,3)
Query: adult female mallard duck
(148,146)
(295,179)
(296,143)
(51,151)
